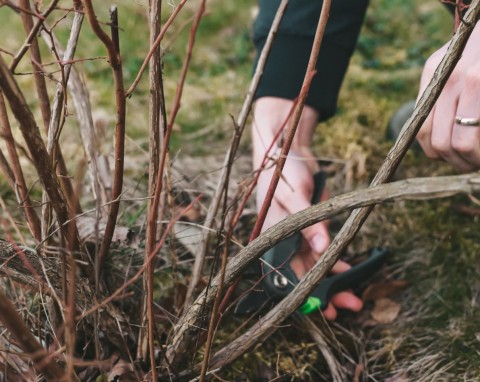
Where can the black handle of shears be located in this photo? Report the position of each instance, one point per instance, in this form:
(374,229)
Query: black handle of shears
(351,278)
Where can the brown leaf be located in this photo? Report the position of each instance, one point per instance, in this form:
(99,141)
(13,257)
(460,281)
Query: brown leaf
(122,235)
(380,290)
(385,310)
(122,371)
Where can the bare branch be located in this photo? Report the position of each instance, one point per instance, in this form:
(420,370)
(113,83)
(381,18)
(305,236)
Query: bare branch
(36,146)
(155,45)
(116,63)
(241,122)
(32,35)
(20,186)
(157,127)
(420,188)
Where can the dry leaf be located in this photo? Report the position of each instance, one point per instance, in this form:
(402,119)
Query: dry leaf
(122,371)
(385,310)
(380,290)
(122,235)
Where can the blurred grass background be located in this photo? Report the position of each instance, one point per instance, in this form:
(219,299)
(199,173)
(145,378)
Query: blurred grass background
(436,248)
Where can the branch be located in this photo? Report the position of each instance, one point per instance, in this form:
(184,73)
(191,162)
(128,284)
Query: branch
(33,33)
(19,186)
(36,146)
(421,188)
(157,121)
(155,45)
(297,113)
(240,125)
(116,64)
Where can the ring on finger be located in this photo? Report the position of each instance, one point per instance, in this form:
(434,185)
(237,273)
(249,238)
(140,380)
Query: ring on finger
(463,121)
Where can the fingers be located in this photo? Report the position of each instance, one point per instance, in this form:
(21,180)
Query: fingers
(442,128)
(330,313)
(317,235)
(466,139)
(424,137)
(441,136)
(342,300)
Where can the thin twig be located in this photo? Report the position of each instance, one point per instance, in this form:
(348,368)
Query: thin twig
(157,126)
(214,319)
(241,122)
(411,189)
(337,372)
(116,64)
(155,45)
(20,186)
(153,213)
(36,146)
(56,122)
(32,35)
(297,113)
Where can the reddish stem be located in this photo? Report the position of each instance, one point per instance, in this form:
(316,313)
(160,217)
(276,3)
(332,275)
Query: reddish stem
(120,100)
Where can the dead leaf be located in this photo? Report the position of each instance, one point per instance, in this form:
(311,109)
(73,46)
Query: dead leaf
(385,310)
(380,290)
(122,371)
(122,235)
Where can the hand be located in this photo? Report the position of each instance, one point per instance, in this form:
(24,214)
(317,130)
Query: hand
(440,136)
(293,194)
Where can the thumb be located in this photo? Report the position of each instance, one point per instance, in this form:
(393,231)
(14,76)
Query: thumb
(318,237)
(317,234)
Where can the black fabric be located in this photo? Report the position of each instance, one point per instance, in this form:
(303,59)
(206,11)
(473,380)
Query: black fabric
(286,66)
(287,62)
(451,6)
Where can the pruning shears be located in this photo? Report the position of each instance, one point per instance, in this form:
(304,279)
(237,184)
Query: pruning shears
(278,278)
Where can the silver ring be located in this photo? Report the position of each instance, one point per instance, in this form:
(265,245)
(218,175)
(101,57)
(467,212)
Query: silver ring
(467,121)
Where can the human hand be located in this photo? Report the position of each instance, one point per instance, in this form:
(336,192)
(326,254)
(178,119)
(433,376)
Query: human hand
(294,193)
(441,136)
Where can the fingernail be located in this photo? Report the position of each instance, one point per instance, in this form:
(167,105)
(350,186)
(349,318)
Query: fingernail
(320,243)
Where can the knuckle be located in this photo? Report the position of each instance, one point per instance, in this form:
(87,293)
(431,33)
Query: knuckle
(463,146)
(422,135)
(440,146)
